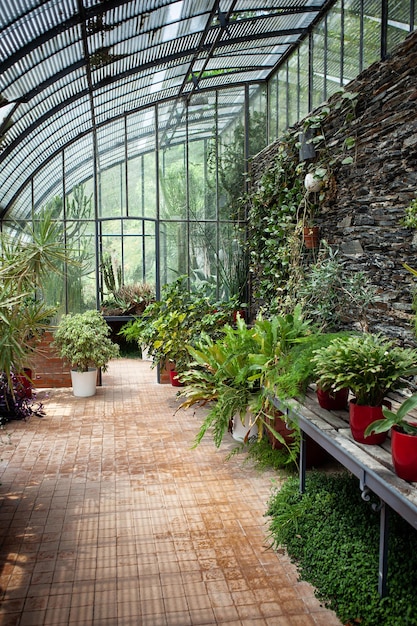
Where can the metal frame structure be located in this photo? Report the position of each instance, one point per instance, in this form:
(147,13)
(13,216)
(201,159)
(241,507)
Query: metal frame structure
(69,67)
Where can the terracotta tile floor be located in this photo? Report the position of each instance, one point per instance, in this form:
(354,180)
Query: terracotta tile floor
(107,517)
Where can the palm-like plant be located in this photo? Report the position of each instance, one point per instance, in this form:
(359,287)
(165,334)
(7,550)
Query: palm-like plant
(28,256)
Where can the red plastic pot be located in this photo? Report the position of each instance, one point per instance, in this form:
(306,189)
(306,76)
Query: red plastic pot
(404,454)
(173,375)
(332,400)
(360,417)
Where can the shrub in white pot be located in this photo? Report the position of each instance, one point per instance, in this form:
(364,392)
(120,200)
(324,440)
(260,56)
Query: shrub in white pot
(82,339)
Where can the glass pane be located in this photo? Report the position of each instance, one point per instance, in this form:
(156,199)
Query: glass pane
(47,185)
(231,146)
(81,279)
(319,51)
(141,164)
(22,207)
(398,22)
(142,186)
(273,109)
(203,255)
(233,266)
(334,51)
(282,100)
(173,241)
(372,32)
(111,191)
(172,161)
(304,79)
(138,266)
(201,182)
(79,164)
(352,53)
(293,100)
(257,121)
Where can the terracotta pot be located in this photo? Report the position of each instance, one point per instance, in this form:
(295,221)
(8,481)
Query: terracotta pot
(311,236)
(280,426)
(333,400)
(404,454)
(360,417)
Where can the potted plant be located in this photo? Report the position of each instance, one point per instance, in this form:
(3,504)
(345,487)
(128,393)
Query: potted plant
(82,339)
(219,376)
(403,437)
(169,325)
(370,366)
(230,375)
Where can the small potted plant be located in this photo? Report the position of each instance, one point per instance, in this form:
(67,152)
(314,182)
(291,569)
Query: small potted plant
(82,339)
(403,437)
(370,366)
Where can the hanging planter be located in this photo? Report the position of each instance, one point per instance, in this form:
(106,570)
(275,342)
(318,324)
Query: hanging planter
(312,183)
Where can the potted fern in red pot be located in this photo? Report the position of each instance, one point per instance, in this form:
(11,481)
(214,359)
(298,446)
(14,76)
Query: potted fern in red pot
(370,366)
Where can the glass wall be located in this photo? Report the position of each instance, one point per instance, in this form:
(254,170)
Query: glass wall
(151,196)
(157,193)
(353,35)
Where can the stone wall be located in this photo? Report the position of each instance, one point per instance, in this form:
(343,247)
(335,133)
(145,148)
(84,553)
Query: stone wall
(363,219)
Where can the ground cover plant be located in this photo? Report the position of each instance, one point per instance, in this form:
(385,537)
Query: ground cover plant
(333,536)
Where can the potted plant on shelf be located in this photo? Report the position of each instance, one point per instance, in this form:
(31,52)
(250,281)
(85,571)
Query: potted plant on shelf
(82,339)
(370,366)
(403,437)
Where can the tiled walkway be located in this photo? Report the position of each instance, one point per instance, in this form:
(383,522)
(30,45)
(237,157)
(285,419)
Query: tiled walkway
(108,518)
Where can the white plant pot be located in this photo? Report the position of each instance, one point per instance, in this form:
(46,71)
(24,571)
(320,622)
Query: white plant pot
(240,431)
(84,383)
(311,183)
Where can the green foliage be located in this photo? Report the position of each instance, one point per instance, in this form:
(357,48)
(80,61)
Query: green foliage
(168,325)
(332,296)
(395,419)
(369,365)
(220,372)
(295,369)
(230,373)
(83,340)
(29,256)
(272,221)
(410,218)
(333,536)
(264,457)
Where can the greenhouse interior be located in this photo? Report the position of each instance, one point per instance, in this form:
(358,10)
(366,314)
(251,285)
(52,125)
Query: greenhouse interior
(210,208)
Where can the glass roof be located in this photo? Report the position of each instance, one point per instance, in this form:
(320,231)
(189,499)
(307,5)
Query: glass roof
(70,66)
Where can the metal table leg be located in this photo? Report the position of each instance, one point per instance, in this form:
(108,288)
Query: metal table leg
(303,461)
